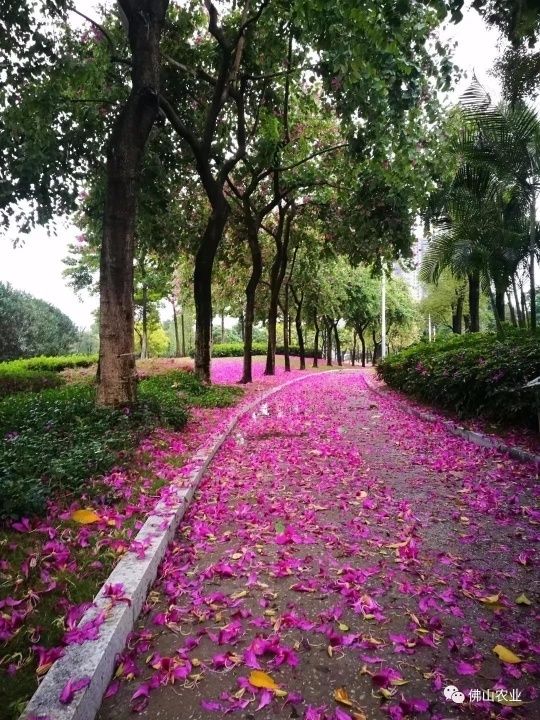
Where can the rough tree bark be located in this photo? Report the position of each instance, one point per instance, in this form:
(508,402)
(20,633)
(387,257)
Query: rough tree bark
(116,374)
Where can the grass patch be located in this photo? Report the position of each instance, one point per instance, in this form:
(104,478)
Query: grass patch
(55,440)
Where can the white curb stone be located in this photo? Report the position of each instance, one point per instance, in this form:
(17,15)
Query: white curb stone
(95,659)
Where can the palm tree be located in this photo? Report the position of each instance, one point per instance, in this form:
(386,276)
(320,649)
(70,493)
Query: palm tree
(505,139)
(486,222)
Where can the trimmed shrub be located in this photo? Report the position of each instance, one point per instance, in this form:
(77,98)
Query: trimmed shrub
(237,350)
(472,375)
(15,380)
(38,373)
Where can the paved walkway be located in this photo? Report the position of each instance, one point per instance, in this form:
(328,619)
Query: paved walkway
(352,559)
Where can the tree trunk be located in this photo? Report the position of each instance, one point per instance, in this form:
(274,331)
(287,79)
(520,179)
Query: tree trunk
(457,315)
(116,368)
(277,275)
(316,342)
(474,301)
(299,300)
(513,317)
(176,335)
(499,301)
(223,326)
(363,344)
(286,334)
(183,327)
(328,336)
(353,350)
(520,316)
(251,291)
(144,336)
(338,345)
(524,308)
(495,310)
(241,323)
(532,259)
(202,285)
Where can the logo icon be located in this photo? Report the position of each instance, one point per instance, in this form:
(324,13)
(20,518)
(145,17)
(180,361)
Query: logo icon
(451,692)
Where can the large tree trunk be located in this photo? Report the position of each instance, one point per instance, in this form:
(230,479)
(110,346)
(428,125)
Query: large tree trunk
(202,285)
(116,373)
(474,301)
(251,290)
(316,342)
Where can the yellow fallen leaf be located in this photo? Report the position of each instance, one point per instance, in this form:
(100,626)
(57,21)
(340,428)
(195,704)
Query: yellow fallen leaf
(341,696)
(343,627)
(490,599)
(523,600)
(85,517)
(506,655)
(260,679)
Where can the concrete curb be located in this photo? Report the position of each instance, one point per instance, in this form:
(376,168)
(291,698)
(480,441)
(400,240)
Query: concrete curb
(471,435)
(95,659)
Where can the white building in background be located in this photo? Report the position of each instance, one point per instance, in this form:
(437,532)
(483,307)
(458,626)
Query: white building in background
(409,269)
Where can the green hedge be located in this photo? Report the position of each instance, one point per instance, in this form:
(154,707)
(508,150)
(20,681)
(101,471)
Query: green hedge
(472,375)
(237,350)
(55,440)
(220,350)
(38,373)
(14,380)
